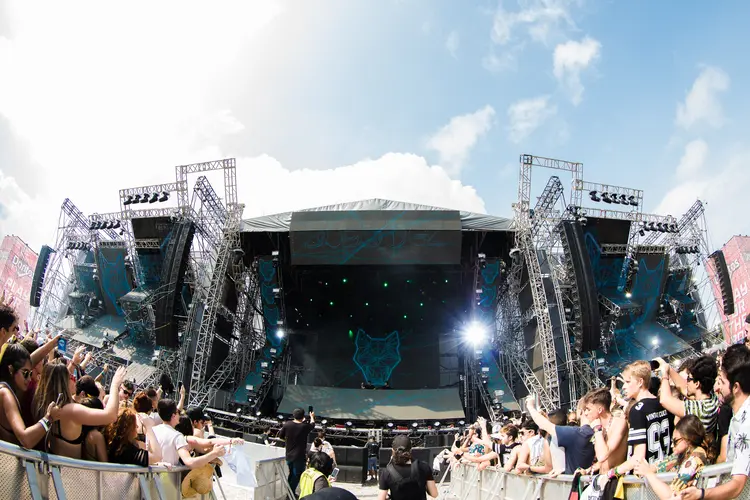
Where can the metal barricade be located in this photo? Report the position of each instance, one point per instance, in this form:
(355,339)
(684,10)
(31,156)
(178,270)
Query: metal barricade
(31,475)
(468,483)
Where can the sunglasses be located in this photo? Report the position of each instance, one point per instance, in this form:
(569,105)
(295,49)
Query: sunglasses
(690,379)
(26,373)
(677,441)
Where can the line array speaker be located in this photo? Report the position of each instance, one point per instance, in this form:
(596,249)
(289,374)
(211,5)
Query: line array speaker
(725,281)
(587,335)
(37,282)
(173,276)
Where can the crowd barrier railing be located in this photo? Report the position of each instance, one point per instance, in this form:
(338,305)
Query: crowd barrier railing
(469,483)
(32,475)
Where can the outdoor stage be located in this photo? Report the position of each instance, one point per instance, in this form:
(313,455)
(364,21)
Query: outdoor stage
(374,292)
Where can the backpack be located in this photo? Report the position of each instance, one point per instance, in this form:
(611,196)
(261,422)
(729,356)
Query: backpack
(406,487)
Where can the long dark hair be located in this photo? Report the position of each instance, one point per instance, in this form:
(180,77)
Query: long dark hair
(15,356)
(401,450)
(694,433)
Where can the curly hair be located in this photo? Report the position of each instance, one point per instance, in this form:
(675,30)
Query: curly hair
(119,433)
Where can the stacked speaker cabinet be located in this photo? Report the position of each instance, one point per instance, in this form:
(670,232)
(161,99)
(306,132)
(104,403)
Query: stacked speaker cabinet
(725,281)
(37,284)
(173,276)
(583,293)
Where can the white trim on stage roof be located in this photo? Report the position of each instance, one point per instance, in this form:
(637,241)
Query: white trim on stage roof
(469,221)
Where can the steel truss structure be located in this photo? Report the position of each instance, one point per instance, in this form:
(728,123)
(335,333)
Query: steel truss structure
(72,226)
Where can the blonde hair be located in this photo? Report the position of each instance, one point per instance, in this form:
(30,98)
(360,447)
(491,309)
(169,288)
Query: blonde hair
(640,370)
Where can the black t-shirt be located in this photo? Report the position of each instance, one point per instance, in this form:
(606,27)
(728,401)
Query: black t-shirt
(650,424)
(424,474)
(130,455)
(725,417)
(295,435)
(505,452)
(373,449)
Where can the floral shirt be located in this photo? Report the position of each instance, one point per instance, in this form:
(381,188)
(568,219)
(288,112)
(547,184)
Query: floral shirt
(738,445)
(687,472)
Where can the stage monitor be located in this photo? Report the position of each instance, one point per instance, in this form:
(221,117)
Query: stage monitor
(385,237)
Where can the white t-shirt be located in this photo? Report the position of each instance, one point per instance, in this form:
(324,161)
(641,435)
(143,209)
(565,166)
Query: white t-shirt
(156,418)
(170,441)
(325,448)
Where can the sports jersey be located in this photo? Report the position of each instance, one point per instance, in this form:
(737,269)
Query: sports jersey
(650,424)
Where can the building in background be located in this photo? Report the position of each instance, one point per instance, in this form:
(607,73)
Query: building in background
(17,264)
(737,254)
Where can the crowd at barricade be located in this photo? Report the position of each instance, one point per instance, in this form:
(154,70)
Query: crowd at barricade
(49,404)
(653,418)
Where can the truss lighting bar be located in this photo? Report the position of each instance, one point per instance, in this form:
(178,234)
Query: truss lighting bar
(614,249)
(147,243)
(170,187)
(616,194)
(151,212)
(651,249)
(111,244)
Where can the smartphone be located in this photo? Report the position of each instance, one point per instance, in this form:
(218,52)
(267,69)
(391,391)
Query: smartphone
(309,409)
(179,386)
(654,365)
(59,399)
(335,473)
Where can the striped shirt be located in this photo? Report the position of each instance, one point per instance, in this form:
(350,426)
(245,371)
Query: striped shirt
(705,409)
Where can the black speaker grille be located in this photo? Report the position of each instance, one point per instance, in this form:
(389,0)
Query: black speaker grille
(725,281)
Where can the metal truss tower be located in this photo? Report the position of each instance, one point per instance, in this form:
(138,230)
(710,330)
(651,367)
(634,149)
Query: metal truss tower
(550,398)
(72,227)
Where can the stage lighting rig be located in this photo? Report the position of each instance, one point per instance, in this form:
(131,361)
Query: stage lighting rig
(475,334)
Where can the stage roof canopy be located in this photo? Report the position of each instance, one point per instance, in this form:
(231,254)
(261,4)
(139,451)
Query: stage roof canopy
(469,221)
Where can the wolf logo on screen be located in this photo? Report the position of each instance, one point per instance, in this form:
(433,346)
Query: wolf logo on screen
(377,357)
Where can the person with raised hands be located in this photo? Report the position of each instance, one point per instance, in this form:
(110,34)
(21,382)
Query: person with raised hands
(67,436)
(15,375)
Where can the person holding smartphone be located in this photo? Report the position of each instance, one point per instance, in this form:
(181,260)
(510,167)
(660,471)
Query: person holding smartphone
(295,433)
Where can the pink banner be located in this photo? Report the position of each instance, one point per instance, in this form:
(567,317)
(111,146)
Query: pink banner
(17,264)
(737,255)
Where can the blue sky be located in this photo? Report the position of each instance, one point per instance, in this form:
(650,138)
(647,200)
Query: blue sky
(333,100)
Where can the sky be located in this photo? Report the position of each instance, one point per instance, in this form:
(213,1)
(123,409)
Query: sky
(326,101)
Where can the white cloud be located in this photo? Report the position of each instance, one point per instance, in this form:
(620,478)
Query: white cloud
(452,43)
(394,176)
(693,159)
(527,115)
(454,141)
(541,20)
(102,109)
(723,187)
(570,59)
(702,102)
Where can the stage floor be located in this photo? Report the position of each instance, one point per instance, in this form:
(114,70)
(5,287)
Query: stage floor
(360,404)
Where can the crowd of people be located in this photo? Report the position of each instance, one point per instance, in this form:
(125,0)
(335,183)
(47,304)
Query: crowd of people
(49,403)
(653,418)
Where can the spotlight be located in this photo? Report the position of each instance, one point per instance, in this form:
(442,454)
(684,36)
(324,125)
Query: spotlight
(628,295)
(615,199)
(323,422)
(136,198)
(632,201)
(594,196)
(281,417)
(415,424)
(624,199)
(128,200)
(606,198)
(437,424)
(390,425)
(642,232)
(461,422)
(258,413)
(280,333)
(349,423)
(164,196)
(475,334)
(154,198)
(655,341)
(144,198)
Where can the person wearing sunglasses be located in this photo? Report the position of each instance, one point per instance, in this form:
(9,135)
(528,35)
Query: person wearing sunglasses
(15,375)
(689,456)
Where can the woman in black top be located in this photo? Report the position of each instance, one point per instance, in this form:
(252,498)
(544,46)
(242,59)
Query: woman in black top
(406,479)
